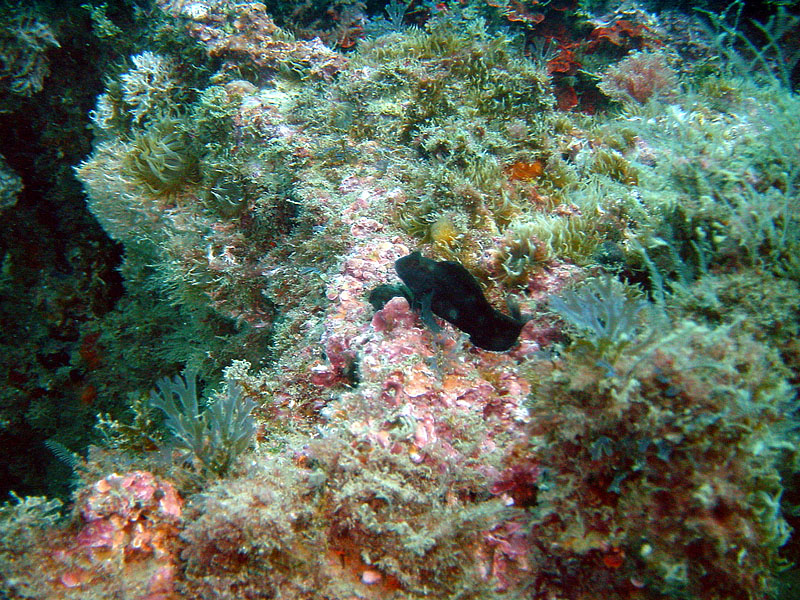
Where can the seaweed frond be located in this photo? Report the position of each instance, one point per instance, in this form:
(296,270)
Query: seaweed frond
(605,316)
(219,434)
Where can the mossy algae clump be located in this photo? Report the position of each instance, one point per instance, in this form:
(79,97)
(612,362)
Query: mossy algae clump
(447,93)
(687,445)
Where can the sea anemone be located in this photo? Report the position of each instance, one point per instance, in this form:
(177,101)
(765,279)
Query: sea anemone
(522,249)
(162,157)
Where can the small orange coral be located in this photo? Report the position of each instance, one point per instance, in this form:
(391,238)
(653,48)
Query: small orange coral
(522,170)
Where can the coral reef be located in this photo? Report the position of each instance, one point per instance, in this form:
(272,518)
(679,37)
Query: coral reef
(60,275)
(244,34)
(26,524)
(124,540)
(130,521)
(665,436)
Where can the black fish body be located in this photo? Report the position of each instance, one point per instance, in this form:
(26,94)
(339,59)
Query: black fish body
(448,290)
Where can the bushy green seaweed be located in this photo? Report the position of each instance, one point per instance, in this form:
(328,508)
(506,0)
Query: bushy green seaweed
(599,308)
(216,436)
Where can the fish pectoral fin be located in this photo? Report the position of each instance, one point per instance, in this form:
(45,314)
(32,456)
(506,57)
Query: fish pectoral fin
(427,313)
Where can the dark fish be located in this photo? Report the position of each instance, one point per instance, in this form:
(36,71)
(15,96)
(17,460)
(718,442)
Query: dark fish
(446,289)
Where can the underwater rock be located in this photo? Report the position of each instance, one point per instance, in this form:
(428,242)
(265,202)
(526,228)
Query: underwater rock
(128,538)
(244,34)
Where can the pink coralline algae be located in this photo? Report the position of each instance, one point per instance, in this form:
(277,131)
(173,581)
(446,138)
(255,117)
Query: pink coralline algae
(370,264)
(130,525)
(505,554)
(128,500)
(409,365)
(393,315)
(421,373)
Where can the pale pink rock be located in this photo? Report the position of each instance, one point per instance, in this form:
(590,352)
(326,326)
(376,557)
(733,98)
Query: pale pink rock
(370,577)
(365,226)
(74,578)
(395,313)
